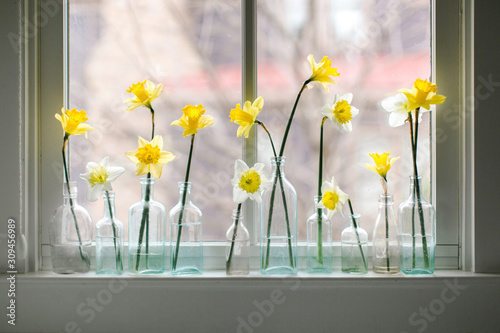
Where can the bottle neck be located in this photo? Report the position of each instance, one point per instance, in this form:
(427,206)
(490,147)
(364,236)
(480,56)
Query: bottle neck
(238,216)
(385,200)
(416,183)
(147,186)
(354,220)
(109,204)
(184,192)
(70,192)
(278,163)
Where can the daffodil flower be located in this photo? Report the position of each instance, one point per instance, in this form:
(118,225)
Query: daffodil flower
(249,182)
(322,71)
(341,112)
(144,93)
(422,95)
(193,119)
(149,157)
(100,176)
(383,164)
(332,198)
(72,122)
(247,116)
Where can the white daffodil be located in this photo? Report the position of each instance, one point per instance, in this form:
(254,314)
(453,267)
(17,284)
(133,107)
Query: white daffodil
(332,198)
(100,176)
(341,112)
(398,107)
(248,182)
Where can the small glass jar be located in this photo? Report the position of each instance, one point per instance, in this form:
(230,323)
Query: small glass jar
(319,241)
(237,246)
(109,240)
(70,234)
(386,243)
(354,240)
(146,233)
(186,241)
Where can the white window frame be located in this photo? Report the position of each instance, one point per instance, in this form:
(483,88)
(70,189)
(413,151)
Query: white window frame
(452,172)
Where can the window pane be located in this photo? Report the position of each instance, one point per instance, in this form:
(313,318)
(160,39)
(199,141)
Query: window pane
(194,49)
(378,47)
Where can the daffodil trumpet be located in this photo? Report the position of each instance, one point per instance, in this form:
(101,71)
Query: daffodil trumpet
(357,235)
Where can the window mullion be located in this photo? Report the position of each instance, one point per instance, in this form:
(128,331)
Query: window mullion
(249,88)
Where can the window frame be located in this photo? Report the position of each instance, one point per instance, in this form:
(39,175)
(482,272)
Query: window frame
(45,63)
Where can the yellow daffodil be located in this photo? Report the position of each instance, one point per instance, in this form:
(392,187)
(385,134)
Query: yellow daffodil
(193,119)
(322,71)
(100,176)
(341,112)
(422,95)
(150,157)
(72,122)
(383,163)
(247,116)
(144,93)
(249,182)
(332,198)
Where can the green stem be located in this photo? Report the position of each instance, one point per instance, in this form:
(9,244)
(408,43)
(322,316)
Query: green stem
(83,255)
(278,171)
(357,234)
(285,136)
(320,181)
(183,202)
(387,234)
(118,259)
(228,263)
(144,225)
(417,188)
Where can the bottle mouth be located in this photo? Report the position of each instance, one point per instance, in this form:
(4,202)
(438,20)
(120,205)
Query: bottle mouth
(184,185)
(73,189)
(354,216)
(146,180)
(278,160)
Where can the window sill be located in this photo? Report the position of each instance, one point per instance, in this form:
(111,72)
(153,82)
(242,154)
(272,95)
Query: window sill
(214,302)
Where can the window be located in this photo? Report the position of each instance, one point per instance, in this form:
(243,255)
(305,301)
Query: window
(267,59)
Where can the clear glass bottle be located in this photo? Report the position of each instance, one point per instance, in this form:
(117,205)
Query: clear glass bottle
(418,231)
(354,241)
(278,225)
(109,239)
(319,241)
(186,241)
(237,246)
(146,233)
(386,241)
(70,234)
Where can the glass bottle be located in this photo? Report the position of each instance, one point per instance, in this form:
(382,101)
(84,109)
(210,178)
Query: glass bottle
(354,240)
(418,231)
(278,225)
(186,242)
(146,233)
(70,234)
(386,241)
(237,246)
(109,239)
(319,241)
